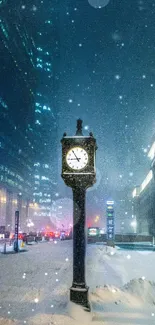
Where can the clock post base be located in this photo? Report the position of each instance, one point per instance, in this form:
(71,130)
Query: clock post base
(79,295)
(110,243)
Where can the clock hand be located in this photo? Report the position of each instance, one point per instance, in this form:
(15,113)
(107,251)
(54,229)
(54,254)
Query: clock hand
(75,155)
(73,158)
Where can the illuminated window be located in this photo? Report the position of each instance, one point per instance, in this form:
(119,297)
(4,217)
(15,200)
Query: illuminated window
(45,178)
(37,164)
(48,22)
(39,65)
(3,103)
(151,153)
(146,181)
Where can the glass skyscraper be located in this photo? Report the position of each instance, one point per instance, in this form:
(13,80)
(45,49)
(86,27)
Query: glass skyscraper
(18,81)
(45,166)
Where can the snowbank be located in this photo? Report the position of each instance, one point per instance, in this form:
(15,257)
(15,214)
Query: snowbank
(133,304)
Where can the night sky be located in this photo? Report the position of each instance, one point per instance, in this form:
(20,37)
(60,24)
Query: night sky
(106,76)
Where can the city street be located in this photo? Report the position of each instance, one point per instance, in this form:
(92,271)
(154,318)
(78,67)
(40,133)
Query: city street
(35,285)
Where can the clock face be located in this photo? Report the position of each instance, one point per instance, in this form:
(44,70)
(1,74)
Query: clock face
(77,158)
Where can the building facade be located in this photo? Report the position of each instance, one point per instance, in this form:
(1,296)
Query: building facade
(144,199)
(45,166)
(18,81)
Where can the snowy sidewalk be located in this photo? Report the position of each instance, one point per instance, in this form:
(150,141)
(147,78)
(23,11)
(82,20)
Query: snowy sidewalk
(35,286)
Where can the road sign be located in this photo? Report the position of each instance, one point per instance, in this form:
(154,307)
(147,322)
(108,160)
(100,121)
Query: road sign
(110,221)
(16,231)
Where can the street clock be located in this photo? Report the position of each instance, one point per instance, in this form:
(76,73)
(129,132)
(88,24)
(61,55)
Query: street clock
(78,158)
(79,173)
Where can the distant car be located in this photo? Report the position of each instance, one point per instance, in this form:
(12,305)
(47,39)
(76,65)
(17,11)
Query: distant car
(22,236)
(49,235)
(57,234)
(7,234)
(69,234)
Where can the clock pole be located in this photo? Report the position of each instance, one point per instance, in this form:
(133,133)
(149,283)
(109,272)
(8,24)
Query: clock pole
(79,290)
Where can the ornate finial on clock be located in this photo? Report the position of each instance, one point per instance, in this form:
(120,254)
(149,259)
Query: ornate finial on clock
(79,127)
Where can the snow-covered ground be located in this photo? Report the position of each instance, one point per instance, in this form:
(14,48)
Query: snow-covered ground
(34,286)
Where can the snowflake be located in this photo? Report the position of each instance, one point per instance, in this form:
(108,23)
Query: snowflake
(117,77)
(86,127)
(34,8)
